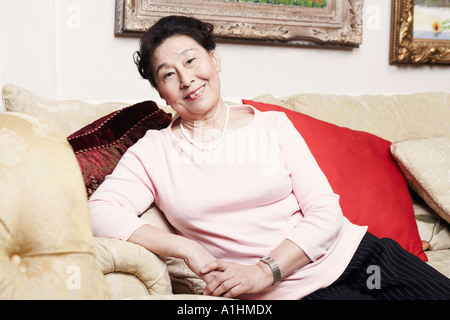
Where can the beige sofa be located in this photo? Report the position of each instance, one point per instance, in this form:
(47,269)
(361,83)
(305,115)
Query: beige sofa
(35,131)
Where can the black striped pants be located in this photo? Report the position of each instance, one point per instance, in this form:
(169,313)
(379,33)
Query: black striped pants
(381,269)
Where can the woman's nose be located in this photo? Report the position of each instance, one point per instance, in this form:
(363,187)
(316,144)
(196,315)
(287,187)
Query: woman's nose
(186,79)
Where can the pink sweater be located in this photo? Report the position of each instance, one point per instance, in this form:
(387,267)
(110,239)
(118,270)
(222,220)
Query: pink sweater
(240,201)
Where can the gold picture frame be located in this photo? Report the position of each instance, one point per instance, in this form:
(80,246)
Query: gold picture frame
(339,24)
(407,47)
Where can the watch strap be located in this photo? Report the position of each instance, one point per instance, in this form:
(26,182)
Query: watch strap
(274,267)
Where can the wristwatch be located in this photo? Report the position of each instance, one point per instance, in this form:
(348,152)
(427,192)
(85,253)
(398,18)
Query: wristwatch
(274,267)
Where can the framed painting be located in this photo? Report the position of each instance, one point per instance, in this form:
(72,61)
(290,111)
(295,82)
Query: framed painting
(420,32)
(290,22)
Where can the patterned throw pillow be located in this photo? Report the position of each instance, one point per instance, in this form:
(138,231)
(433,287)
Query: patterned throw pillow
(426,165)
(100,145)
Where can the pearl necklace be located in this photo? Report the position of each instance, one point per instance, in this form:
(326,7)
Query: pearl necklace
(209,146)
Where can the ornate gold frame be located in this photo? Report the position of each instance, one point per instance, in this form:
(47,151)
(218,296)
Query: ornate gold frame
(407,50)
(339,24)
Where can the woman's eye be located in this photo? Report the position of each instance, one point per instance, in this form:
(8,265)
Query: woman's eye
(190,61)
(167,75)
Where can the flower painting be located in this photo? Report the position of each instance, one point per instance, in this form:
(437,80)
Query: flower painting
(432,19)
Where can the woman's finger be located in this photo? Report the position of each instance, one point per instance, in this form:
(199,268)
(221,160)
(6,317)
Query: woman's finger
(214,282)
(213,266)
(224,287)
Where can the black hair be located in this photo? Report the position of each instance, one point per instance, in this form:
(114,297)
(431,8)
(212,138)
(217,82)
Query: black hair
(165,28)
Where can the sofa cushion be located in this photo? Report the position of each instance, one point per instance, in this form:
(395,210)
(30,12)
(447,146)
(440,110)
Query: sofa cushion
(433,230)
(100,145)
(46,243)
(426,165)
(439,260)
(361,171)
(68,115)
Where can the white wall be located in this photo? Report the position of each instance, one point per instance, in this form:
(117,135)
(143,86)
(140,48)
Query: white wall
(66,49)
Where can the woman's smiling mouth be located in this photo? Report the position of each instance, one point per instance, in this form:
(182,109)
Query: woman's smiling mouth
(194,95)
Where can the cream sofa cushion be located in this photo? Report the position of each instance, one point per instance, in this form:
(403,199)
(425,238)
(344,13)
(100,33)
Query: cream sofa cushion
(394,118)
(439,259)
(46,243)
(426,165)
(68,115)
(433,230)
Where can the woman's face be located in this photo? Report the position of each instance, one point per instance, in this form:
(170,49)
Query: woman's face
(187,77)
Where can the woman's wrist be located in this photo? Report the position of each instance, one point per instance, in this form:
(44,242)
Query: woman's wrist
(194,255)
(266,274)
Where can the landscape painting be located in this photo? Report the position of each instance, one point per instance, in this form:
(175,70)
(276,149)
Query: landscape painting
(318,23)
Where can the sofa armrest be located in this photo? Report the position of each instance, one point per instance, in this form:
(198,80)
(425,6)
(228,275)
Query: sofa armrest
(184,281)
(117,256)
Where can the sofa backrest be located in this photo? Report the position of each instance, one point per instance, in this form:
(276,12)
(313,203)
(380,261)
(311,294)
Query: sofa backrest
(394,118)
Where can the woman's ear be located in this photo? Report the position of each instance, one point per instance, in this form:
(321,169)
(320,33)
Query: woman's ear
(216,60)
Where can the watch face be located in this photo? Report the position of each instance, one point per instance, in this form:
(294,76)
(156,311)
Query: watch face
(267,260)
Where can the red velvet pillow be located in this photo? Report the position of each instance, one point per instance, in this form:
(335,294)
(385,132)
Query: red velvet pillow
(361,170)
(100,145)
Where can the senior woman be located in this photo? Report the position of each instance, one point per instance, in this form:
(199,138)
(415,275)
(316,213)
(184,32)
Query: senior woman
(254,215)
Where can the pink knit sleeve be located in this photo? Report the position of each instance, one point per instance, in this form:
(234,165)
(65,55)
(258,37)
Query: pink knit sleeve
(124,195)
(321,213)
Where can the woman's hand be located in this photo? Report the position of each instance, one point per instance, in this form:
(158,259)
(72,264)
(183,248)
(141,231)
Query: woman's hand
(195,257)
(171,245)
(229,279)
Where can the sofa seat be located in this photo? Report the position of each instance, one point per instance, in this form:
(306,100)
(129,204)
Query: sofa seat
(440,260)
